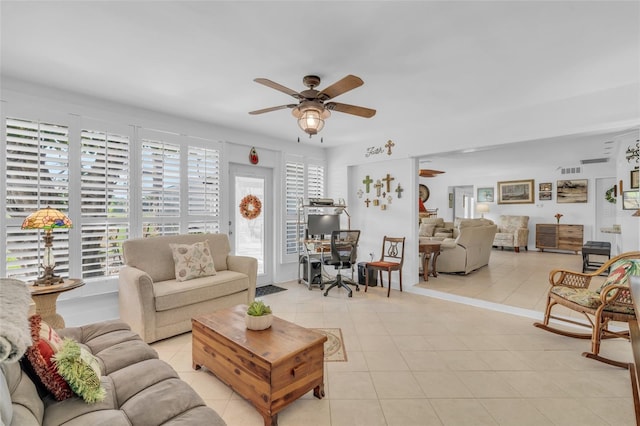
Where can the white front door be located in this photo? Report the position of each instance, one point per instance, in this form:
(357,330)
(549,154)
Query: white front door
(252,234)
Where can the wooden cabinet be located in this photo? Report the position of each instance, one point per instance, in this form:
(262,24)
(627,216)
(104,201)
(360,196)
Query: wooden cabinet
(559,237)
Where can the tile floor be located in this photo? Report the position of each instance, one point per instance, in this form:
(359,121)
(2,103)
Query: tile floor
(457,350)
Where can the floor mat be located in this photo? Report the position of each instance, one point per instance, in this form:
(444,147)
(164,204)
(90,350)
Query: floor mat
(268,289)
(334,346)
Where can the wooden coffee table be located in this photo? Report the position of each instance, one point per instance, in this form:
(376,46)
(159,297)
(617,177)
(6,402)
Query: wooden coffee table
(269,368)
(432,247)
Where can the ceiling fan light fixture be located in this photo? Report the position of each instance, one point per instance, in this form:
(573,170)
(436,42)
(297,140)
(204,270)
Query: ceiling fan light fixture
(311,117)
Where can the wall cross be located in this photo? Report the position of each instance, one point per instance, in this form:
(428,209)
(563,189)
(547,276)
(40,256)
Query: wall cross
(388,179)
(389,145)
(378,187)
(367,181)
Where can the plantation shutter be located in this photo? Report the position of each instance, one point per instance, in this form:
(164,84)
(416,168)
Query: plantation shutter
(160,189)
(105,203)
(294,191)
(315,181)
(37,156)
(203,177)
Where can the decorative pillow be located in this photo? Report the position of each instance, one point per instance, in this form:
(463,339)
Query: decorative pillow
(40,356)
(192,261)
(81,370)
(619,274)
(426,229)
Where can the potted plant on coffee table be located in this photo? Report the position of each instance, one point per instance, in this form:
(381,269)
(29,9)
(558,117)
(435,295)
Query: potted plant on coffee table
(258,316)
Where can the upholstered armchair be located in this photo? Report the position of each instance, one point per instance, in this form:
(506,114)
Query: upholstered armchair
(513,232)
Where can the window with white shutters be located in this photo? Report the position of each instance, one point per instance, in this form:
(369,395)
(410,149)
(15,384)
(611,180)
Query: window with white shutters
(160,191)
(105,203)
(175,179)
(37,155)
(302,181)
(315,181)
(294,191)
(203,180)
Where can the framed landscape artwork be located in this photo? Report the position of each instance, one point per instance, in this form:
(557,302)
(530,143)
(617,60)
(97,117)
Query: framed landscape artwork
(515,192)
(631,200)
(545,195)
(485,195)
(635,174)
(571,191)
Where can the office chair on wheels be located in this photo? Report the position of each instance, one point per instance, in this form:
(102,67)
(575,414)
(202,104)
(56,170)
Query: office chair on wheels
(344,251)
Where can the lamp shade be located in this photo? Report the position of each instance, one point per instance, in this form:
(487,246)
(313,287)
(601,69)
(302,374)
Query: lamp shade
(482,208)
(47,219)
(311,116)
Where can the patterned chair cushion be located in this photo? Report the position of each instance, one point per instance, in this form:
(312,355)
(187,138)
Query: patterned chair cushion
(588,298)
(619,275)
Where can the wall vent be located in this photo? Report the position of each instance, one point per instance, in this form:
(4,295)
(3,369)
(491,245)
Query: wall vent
(594,160)
(570,170)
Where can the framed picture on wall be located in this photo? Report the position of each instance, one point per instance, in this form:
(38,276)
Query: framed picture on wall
(630,200)
(516,192)
(485,195)
(635,174)
(546,186)
(545,195)
(571,191)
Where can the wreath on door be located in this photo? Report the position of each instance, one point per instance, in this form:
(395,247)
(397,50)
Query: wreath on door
(250,207)
(610,195)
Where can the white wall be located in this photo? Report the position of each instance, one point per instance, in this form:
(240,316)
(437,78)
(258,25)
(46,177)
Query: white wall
(347,168)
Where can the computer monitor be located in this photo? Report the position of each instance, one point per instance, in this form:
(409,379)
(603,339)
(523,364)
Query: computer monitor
(322,224)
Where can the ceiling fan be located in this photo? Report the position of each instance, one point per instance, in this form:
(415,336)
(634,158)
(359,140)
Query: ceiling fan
(312,108)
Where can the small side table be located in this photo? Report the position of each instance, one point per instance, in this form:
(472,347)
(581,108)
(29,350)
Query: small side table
(429,248)
(46,296)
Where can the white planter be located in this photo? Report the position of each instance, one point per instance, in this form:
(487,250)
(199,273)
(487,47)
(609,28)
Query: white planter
(258,323)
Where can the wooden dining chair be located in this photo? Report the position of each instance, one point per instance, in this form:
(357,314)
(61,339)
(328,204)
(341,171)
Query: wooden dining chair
(391,259)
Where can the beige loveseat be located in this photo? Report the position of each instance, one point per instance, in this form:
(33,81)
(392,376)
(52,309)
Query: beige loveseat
(157,306)
(513,231)
(470,249)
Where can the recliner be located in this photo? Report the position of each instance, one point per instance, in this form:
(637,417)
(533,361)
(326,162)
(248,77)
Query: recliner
(344,252)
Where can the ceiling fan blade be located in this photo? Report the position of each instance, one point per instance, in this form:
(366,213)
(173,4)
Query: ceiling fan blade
(351,109)
(429,172)
(277,86)
(350,82)
(262,111)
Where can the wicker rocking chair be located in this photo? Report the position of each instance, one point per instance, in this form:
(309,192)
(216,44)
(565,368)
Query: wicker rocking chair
(611,302)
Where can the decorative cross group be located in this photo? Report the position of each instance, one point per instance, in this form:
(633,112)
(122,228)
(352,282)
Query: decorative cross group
(379,185)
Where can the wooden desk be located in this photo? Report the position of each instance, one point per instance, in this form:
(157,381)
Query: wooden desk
(269,368)
(432,247)
(46,297)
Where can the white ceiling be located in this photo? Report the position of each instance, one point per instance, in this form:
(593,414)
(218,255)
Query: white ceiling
(422,61)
